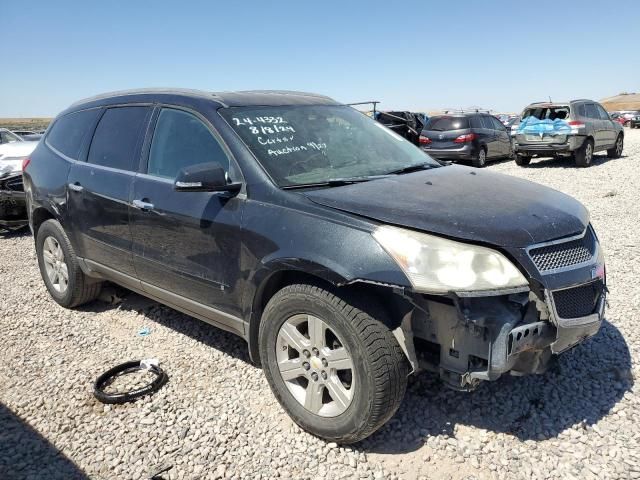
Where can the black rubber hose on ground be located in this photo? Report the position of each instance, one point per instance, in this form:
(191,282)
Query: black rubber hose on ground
(122,369)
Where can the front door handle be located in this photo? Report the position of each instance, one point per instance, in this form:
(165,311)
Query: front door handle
(142,205)
(75,187)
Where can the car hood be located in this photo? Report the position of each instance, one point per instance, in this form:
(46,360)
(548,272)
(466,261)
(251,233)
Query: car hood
(463,203)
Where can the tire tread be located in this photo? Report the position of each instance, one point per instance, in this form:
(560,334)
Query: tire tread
(85,289)
(390,368)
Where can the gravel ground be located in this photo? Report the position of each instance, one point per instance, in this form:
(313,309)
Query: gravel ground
(216,418)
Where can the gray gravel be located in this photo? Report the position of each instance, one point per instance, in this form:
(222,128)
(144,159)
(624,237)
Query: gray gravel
(216,418)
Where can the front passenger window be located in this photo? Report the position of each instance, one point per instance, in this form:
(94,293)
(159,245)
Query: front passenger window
(603,113)
(497,124)
(181,140)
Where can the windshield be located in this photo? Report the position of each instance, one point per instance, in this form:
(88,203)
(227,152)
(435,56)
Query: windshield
(311,144)
(442,124)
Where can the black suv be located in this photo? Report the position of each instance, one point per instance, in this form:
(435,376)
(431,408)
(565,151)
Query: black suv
(345,256)
(474,136)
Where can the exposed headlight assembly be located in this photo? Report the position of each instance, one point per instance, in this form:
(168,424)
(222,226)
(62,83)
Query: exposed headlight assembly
(438,265)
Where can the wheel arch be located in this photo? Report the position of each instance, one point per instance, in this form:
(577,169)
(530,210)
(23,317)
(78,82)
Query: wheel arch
(275,280)
(38,216)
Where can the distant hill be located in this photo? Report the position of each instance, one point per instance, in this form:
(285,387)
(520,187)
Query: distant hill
(24,123)
(624,101)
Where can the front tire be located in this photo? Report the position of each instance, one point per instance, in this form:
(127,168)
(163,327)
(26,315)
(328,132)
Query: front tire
(616,151)
(522,160)
(64,279)
(584,155)
(332,364)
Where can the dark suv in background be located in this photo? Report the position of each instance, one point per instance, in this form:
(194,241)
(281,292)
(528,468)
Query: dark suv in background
(345,256)
(473,136)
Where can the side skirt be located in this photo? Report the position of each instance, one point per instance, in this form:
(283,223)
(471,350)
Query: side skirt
(215,317)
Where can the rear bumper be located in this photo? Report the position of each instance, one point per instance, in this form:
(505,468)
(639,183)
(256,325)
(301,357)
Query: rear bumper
(550,149)
(465,152)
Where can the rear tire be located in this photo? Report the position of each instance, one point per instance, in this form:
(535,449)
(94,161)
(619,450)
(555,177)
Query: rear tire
(480,159)
(295,364)
(522,160)
(616,151)
(584,155)
(64,279)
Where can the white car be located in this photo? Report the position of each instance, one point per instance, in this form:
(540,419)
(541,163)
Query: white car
(12,147)
(12,154)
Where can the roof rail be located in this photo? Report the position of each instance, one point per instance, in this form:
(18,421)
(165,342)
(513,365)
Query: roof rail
(547,102)
(467,110)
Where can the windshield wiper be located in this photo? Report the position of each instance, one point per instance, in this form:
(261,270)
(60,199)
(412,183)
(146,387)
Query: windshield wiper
(335,182)
(413,168)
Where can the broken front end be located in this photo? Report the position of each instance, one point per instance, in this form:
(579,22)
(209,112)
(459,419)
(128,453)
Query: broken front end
(13,211)
(471,336)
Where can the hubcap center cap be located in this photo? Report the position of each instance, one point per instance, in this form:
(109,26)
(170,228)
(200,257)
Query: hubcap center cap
(316,363)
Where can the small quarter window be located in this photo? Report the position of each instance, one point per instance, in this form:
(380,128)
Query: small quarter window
(181,140)
(69,132)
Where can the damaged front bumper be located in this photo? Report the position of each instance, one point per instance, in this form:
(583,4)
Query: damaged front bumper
(473,337)
(13,210)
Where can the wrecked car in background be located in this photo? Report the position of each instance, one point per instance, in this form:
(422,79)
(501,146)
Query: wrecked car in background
(406,124)
(13,212)
(576,129)
(346,257)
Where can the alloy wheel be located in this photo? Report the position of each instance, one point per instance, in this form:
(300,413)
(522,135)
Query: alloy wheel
(588,153)
(55,265)
(619,147)
(482,156)
(315,365)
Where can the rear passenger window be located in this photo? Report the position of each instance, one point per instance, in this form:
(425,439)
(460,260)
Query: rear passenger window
(68,132)
(181,140)
(475,122)
(118,136)
(486,121)
(591,111)
(581,110)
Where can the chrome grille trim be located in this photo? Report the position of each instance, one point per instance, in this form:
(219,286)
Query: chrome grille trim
(564,254)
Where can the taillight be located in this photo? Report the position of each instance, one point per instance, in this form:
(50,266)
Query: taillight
(424,140)
(469,137)
(576,123)
(25,163)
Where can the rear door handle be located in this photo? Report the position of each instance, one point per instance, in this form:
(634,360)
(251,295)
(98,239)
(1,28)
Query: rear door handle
(142,205)
(76,187)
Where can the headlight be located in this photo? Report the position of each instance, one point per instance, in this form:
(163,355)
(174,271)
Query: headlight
(437,265)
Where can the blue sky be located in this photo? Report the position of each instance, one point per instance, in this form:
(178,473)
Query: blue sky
(409,55)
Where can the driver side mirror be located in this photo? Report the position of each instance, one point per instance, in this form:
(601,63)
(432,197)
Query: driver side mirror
(205,177)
